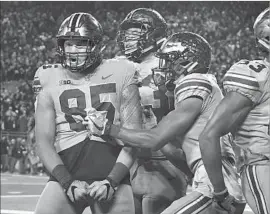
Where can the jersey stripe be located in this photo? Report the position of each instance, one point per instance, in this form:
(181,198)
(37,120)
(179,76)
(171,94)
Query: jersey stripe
(193,84)
(250,82)
(240,85)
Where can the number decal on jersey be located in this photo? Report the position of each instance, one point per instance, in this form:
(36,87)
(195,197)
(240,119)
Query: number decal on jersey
(95,100)
(73,103)
(160,104)
(258,68)
(74,97)
(255,67)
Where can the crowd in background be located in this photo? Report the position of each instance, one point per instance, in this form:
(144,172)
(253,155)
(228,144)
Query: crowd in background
(28,31)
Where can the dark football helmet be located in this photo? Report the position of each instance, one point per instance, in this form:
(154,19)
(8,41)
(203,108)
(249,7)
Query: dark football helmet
(182,53)
(143,30)
(83,27)
(262,30)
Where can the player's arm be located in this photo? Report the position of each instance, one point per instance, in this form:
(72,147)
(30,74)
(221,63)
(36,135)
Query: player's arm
(45,135)
(45,131)
(131,118)
(226,118)
(177,122)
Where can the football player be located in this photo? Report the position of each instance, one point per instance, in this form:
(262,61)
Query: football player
(244,112)
(156,183)
(85,170)
(185,60)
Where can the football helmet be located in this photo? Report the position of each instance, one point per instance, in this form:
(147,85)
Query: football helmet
(262,30)
(85,28)
(182,53)
(143,30)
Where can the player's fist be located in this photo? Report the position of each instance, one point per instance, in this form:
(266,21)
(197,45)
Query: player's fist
(97,122)
(77,191)
(101,190)
(224,203)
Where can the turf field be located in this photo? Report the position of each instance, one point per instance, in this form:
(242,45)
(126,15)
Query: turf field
(20,193)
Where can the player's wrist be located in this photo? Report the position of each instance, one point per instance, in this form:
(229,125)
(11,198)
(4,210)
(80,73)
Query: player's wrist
(117,174)
(61,174)
(222,195)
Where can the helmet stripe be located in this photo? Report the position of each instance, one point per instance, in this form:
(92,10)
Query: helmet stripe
(70,20)
(263,15)
(78,20)
(74,21)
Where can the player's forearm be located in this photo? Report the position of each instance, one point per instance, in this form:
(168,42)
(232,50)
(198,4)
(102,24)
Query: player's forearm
(177,157)
(137,137)
(126,156)
(211,156)
(48,155)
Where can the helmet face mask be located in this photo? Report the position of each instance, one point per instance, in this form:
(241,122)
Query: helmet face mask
(183,54)
(79,42)
(141,32)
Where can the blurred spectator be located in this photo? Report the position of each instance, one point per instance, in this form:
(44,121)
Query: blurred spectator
(23,122)
(12,160)
(10,119)
(4,154)
(18,156)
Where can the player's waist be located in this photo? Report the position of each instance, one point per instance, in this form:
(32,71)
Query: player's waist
(66,140)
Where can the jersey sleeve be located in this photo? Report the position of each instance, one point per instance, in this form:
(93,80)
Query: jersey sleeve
(40,81)
(242,79)
(193,85)
(36,86)
(41,78)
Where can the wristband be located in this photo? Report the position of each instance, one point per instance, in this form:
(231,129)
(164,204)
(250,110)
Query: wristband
(220,193)
(118,172)
(220,196)
(61,174)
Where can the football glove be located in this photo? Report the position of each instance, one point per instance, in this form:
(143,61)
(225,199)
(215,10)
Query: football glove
(97,122)
(101,190)
(77,190)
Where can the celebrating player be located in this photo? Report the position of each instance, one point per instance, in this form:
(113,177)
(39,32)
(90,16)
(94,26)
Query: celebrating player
(85,170)
(244,111)
(156,183)
(185,60)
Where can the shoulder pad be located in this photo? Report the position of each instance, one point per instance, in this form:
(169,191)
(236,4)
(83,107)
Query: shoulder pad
(42,76)
(242,77)
(193,85)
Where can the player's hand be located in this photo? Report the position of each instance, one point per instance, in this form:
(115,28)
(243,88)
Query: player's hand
(77,191)
(224,204)
(101,190)
(97,122)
